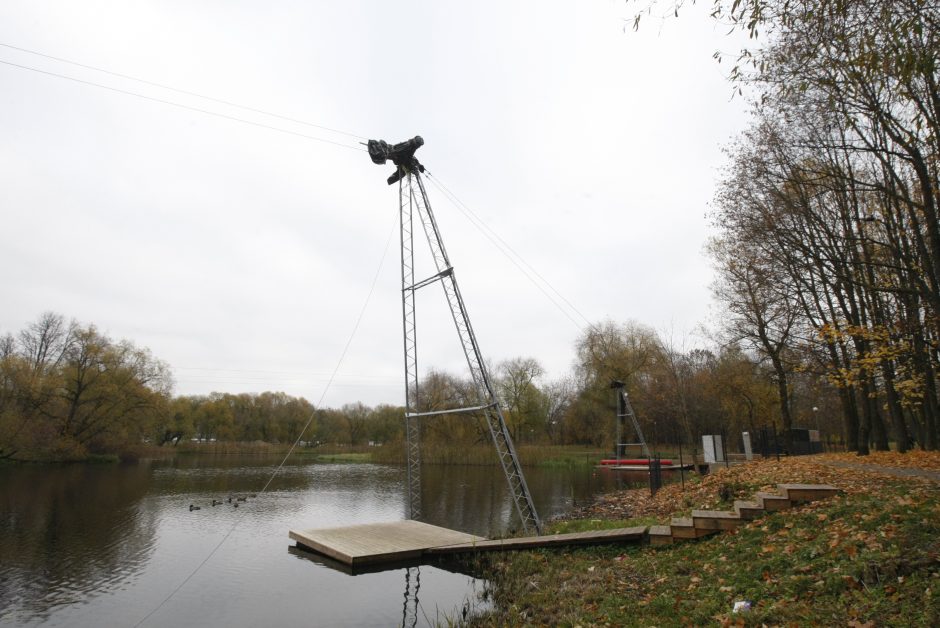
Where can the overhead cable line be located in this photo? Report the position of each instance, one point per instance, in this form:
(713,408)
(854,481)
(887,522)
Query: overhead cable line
(528,271)
(277,470)
(197,374)
(181,105)
(281,383)
(513,256)
(181,91)
(210,379)
(294,371)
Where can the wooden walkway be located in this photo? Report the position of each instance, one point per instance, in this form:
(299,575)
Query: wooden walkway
(399,541)
(593,537)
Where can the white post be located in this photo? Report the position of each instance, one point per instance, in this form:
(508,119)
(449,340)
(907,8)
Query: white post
(711,447)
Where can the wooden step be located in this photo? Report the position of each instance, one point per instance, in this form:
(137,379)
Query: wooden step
(807,492)
(716,519)
(660,535)
(684,528)
(772,502)
(706,522)
(748,510)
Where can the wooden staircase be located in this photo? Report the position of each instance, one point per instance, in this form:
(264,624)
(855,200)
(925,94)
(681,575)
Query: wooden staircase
(707,522)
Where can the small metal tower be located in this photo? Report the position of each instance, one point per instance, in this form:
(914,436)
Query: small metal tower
(625,410)
(414,207)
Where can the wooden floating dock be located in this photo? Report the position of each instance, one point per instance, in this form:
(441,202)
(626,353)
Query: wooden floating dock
(400,541)
(380,542)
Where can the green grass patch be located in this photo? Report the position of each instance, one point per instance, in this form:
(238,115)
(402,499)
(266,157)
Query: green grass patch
(344,457)
(226,448)
(102,459)
(589,525)
(560,456)
(854,558)
(483,454)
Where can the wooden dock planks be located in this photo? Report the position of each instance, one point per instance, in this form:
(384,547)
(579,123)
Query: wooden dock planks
(379,542)
(594,537)
(375,543)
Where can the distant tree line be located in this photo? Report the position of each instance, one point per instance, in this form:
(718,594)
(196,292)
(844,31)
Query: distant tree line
(276,417)
(272,417)
(678,394)
(68,391)
(828,269)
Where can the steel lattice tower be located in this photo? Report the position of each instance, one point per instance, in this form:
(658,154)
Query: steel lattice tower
(415,211)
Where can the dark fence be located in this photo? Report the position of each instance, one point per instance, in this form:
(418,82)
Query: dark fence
(656,474)
(802,442)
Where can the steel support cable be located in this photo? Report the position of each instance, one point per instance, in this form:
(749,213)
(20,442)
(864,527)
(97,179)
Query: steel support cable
(180,105)
(181,91)
(504,247)
(277,470)
(487,229)
(282,371)
(513,256)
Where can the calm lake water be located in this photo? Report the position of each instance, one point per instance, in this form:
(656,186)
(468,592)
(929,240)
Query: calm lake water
(106,545)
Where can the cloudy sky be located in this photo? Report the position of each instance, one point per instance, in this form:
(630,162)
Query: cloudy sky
(241,247)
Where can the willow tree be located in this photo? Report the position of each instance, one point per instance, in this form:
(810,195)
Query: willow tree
(606,352)
(69,390)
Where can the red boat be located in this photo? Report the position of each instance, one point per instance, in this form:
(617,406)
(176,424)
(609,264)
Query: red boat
(632,462)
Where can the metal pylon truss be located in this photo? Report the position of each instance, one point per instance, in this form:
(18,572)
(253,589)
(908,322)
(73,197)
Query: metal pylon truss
(416,210)
(624,411)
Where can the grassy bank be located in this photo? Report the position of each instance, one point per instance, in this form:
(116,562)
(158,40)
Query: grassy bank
(484,454)
(870,556)
(129,454)
(334,453)
(226,448)
(563,456)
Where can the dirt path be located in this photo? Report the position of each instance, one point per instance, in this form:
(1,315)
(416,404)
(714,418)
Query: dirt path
(901,472)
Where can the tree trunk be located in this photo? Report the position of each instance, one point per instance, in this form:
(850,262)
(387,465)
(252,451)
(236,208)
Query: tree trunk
(930,415)
(783,391)
(901,437)
(921,360)
(864,427)
(849,417)
(879,435)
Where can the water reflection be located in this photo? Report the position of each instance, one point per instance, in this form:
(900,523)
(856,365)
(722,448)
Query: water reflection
(476,499)
(91,546)
(409,612)
(67,532)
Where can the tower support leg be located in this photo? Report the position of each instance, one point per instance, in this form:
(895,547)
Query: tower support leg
(415,207)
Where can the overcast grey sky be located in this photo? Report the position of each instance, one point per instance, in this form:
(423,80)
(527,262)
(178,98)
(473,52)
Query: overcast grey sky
(242,255)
